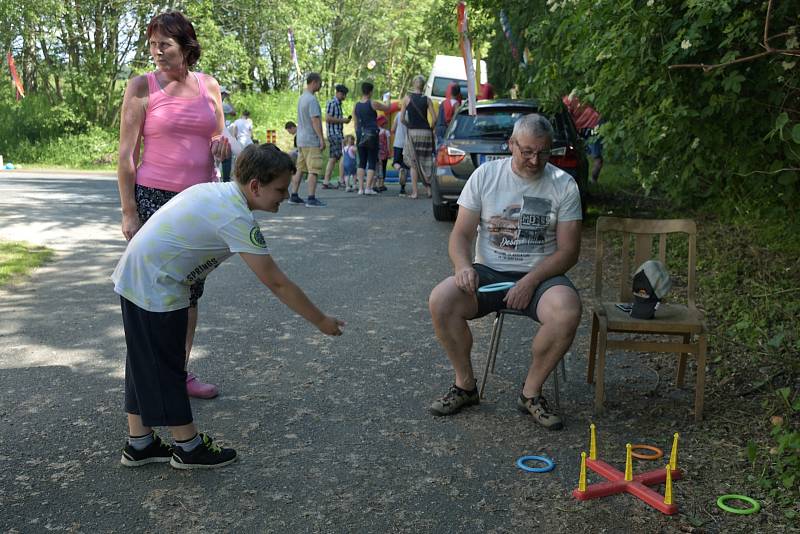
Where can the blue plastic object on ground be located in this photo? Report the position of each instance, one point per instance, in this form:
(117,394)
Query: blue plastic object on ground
(549,464)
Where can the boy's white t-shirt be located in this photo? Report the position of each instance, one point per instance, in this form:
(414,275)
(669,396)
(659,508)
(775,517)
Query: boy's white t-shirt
(518,215)
(182,242)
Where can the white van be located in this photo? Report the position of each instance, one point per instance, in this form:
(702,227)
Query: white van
(448,69)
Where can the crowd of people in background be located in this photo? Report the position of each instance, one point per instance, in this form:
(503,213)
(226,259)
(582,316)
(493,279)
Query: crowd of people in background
(410,141)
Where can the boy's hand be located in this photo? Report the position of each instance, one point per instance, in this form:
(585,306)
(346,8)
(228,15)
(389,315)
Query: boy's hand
(331,326)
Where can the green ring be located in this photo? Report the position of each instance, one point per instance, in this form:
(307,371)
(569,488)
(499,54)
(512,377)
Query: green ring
(756,506)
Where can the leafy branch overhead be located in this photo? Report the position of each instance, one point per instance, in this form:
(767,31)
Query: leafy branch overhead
(791,50)
(695,140)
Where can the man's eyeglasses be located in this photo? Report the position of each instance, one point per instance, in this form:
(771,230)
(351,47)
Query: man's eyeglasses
(529,154)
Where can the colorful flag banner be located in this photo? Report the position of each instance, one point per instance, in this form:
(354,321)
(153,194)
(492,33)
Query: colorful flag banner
(466,53)
(293,50)
(512,43)
(17,82)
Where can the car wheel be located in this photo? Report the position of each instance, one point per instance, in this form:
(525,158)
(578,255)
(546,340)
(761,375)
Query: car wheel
(443,212)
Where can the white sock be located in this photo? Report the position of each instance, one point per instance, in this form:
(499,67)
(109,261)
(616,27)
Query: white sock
(141,442)
(190,445)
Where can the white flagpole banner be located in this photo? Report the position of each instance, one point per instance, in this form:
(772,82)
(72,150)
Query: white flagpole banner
(466,53)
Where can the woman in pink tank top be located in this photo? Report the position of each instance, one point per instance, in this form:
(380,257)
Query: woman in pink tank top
(172,118)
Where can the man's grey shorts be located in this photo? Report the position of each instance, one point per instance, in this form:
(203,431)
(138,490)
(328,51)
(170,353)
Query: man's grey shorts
(493,301)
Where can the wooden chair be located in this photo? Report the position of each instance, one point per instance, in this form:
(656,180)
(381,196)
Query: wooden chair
(671,319)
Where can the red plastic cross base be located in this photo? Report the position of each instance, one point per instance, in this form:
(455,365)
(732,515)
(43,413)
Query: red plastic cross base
(637,487)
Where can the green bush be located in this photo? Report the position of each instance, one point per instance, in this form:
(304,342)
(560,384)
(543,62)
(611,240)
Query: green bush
(43,135)
(732,132)
(778,464)
(94,148)
(35,120)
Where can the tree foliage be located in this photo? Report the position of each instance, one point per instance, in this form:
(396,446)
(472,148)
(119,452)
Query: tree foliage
(80,53)
(695,133)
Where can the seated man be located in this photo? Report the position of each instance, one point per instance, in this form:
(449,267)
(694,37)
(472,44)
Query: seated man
(527,217)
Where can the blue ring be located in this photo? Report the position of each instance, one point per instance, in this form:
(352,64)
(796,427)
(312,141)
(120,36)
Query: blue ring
(499,286)
(549,464)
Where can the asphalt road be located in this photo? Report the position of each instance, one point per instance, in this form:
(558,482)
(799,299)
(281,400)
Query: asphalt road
(333,433)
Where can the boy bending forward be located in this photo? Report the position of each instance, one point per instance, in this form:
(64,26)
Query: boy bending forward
(185,240)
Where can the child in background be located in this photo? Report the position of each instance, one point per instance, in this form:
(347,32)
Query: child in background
(384,142)
(399,131)
(242,129)
(176,246)
(291,128)
(349,155)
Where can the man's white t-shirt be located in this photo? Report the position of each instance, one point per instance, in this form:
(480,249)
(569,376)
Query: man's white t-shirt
(518,215)
(182,242)
(244,130)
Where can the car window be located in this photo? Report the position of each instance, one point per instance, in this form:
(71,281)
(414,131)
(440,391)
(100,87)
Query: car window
(488,123)
(563,125)
(440,86)
(499,123)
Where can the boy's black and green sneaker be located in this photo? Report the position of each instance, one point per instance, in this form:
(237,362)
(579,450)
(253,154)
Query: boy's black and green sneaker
(207,455)
(156,452)
(454,400)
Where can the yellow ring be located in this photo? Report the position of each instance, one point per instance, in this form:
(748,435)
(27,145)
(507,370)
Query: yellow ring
(658,452)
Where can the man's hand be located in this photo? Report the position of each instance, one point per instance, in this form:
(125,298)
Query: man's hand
(519,296)
(331,326)
(130,224)
(467,280)
(322,143)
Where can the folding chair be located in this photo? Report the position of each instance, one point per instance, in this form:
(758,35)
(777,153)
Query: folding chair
(494,345)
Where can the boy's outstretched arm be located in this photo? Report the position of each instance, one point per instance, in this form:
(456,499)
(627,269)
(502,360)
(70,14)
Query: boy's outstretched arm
(290,294)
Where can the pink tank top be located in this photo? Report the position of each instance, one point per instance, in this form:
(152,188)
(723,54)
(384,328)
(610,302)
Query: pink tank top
(176,136)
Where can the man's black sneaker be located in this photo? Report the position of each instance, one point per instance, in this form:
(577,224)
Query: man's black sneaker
(538,409)
(455,399)
(296,200)
(158,451)
(207,455)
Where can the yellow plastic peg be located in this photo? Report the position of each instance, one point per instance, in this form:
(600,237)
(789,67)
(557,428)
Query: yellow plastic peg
(628,463)
(592,443)
(673,456)
(582,479)
(668,490)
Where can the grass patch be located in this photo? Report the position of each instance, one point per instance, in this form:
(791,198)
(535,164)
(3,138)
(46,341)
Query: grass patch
(18,259)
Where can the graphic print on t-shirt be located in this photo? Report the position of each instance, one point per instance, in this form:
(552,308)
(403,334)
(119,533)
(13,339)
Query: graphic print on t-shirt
(522,229)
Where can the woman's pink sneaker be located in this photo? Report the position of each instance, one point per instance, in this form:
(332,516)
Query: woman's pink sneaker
(198,389)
